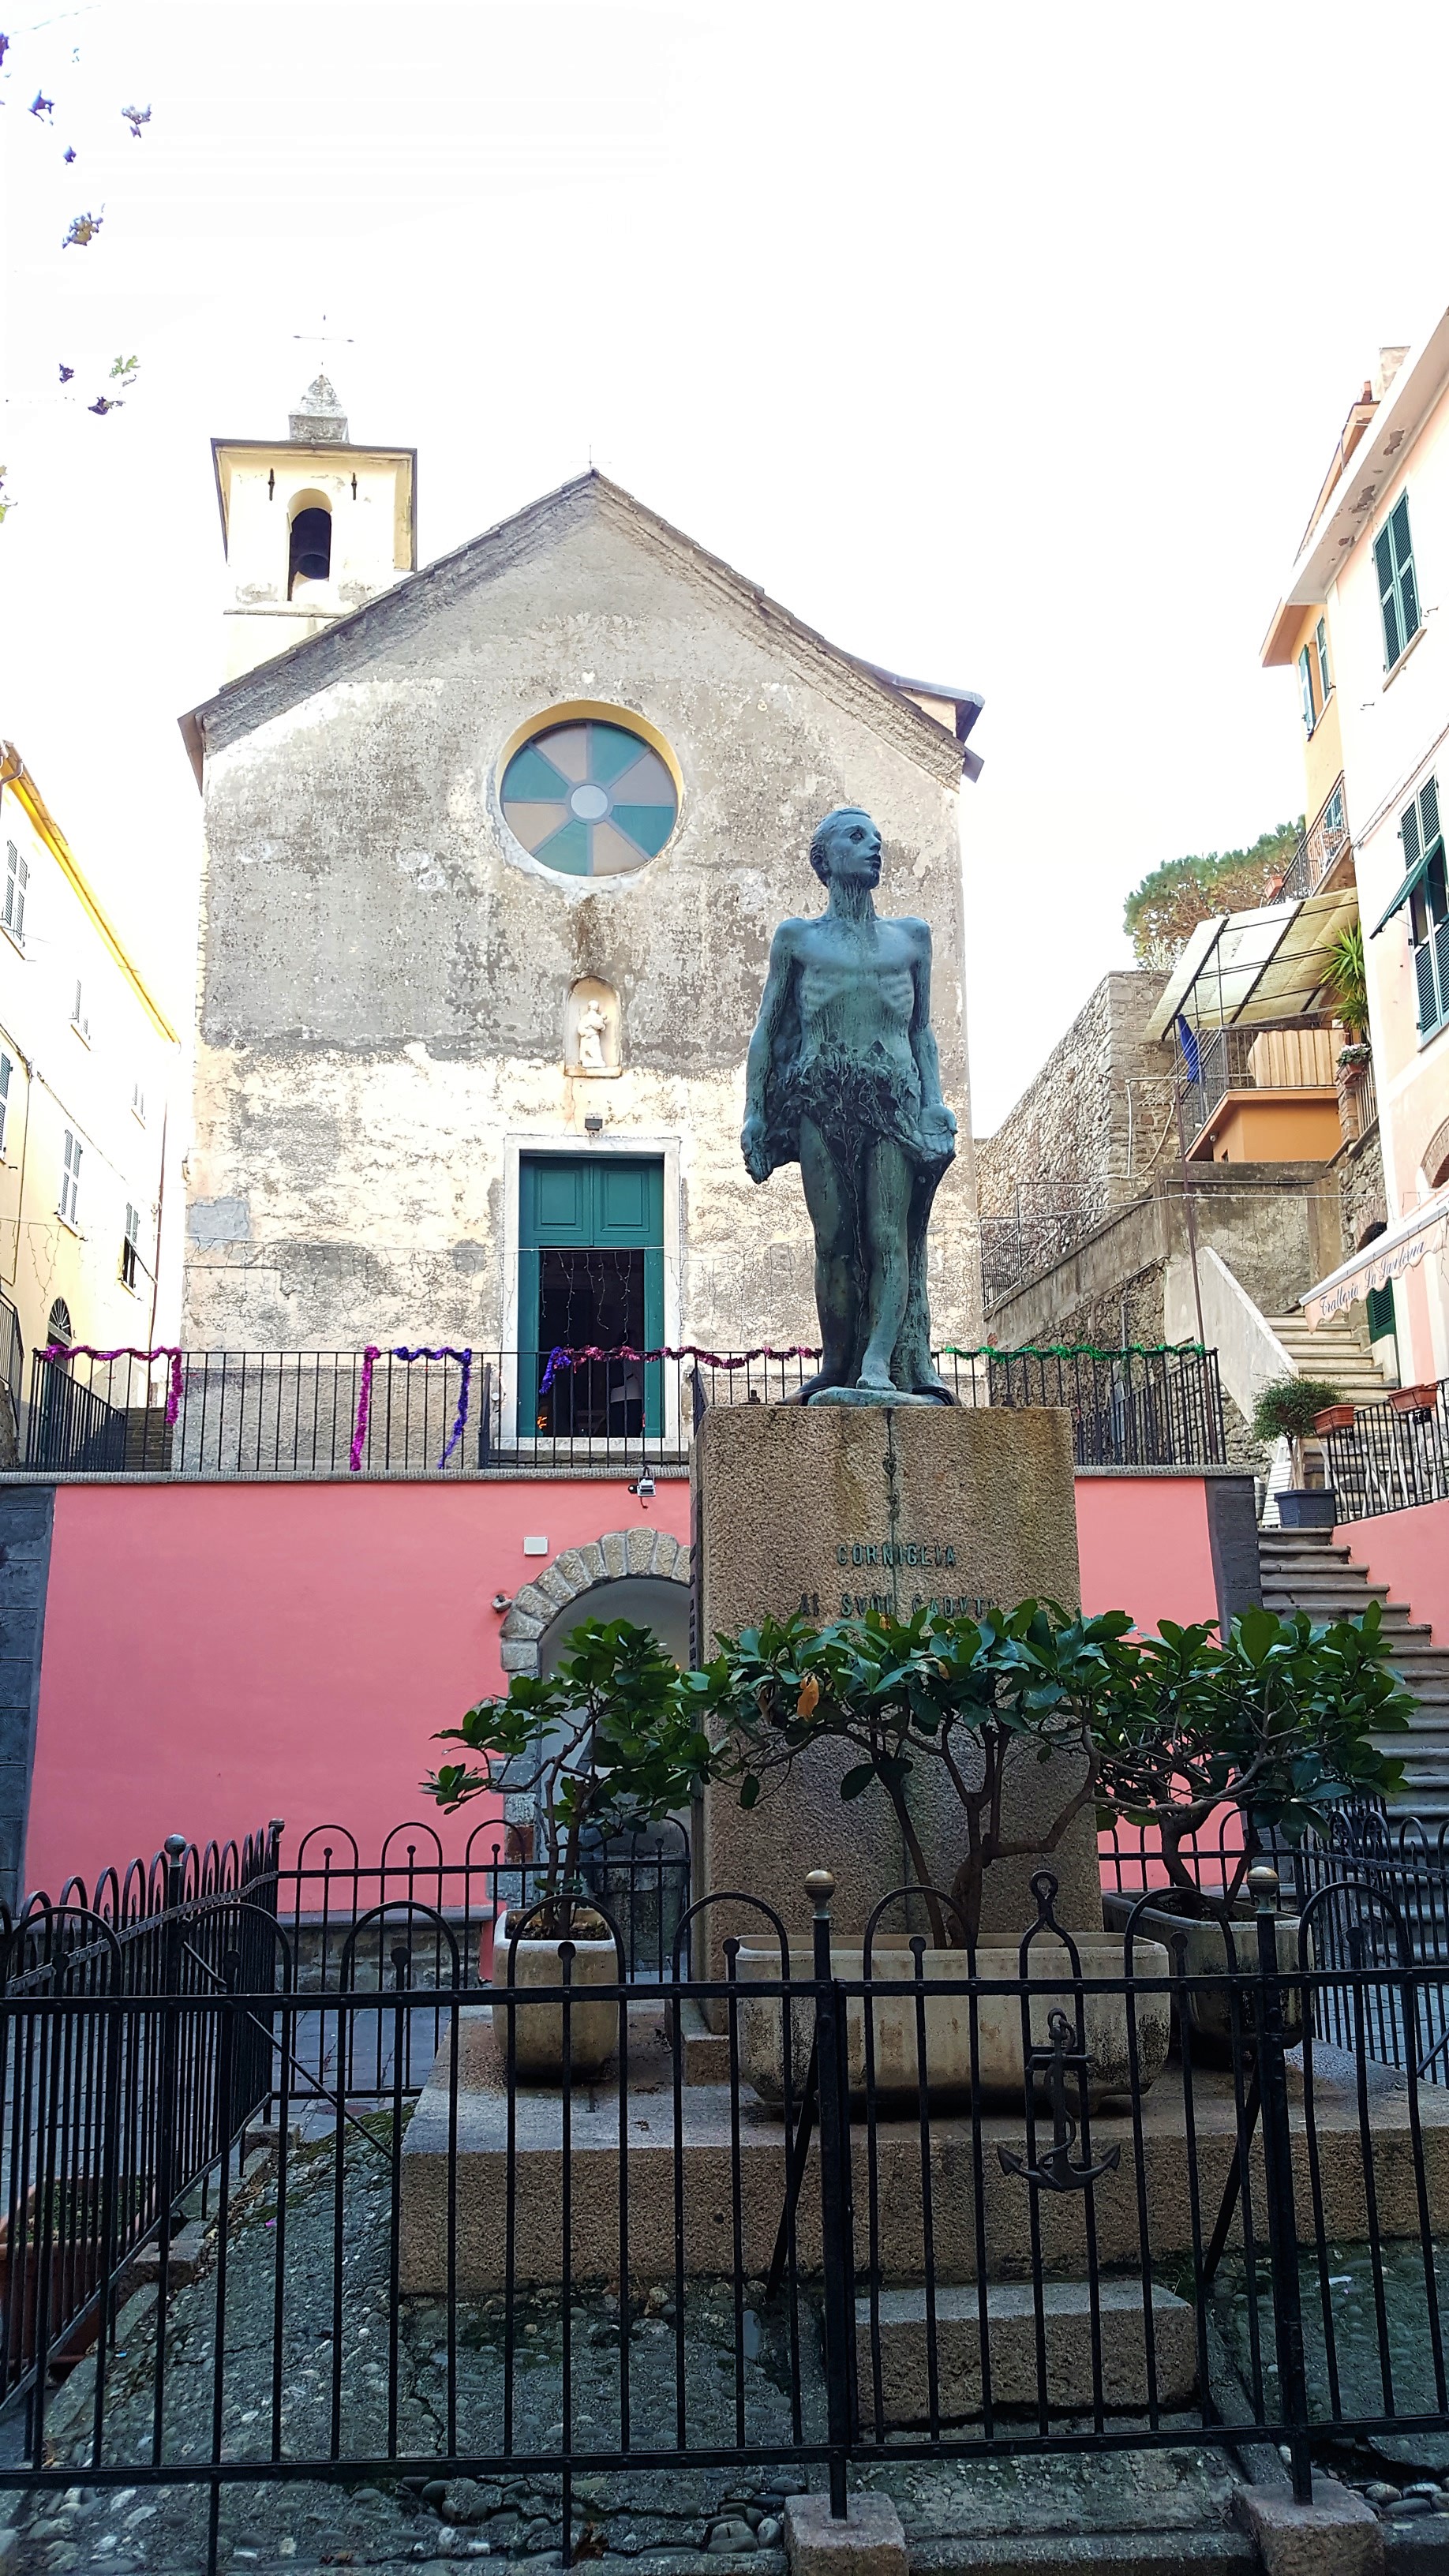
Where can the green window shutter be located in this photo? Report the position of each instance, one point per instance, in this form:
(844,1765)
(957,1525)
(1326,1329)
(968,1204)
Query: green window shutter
(1429,813)
(1305,683)
(1409,835)
(1320,638)
(1404,568)
(1380,1302)
(1388,601)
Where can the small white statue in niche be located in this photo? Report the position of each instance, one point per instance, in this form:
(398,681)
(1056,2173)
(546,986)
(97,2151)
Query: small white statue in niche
(591,1028)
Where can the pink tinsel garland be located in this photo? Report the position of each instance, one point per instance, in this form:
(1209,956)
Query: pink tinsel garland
(87,1351)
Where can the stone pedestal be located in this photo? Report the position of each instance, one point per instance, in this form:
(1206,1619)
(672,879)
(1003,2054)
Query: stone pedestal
(834,1510)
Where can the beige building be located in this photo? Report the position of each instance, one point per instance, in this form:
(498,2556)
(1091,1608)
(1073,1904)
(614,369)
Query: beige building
(87,1059)
(492,866)
(1361,618)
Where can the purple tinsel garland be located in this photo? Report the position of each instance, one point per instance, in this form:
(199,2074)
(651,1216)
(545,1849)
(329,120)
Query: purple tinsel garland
(370,1358)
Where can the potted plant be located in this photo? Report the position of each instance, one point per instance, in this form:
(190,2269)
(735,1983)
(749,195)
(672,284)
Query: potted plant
(1334,1417)
(610,1742)
(1277,1721)
(1287,1409)
(936,1707)
(1346,982)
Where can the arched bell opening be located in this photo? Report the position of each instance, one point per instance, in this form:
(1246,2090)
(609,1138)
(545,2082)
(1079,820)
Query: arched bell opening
(309,548)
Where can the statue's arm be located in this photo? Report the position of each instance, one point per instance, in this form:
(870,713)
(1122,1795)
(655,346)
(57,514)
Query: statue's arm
(923,1040)
(762,1045)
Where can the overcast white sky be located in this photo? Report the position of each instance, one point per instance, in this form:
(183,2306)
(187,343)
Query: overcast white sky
(1005,344)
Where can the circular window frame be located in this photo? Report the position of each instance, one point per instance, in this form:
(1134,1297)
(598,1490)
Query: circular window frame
(584,711)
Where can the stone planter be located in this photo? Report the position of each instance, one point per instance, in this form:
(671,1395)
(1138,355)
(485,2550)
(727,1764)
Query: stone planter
(1199,1949)
(538,2050)
(1000,2065)
(1307,1507)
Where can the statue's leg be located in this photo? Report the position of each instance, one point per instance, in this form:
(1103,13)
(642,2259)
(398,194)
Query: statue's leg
(830,1201)
(914,1372)
(888,1182)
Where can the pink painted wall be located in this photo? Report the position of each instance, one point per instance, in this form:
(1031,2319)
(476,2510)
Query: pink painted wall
(218,1654)
(1409,1551)
(1144,1547)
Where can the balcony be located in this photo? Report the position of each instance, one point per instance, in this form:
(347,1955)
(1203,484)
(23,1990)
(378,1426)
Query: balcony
(1262,1094)
(326,1414)
(1323,859)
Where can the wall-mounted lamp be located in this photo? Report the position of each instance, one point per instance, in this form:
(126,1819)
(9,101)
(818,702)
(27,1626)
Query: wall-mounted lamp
(644,1487)
(594,1125)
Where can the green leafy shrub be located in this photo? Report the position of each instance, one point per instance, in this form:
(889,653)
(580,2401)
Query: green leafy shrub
(610,1741)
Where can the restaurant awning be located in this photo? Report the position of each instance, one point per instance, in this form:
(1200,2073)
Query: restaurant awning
(1389,1255)
(1248,969)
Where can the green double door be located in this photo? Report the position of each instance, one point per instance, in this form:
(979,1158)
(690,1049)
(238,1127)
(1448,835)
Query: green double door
(591,1275)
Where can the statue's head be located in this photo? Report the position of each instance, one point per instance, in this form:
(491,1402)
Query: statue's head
(846,844)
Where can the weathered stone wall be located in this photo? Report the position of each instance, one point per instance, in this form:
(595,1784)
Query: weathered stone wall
(385,973)
(1084,1136)
(1361,1190)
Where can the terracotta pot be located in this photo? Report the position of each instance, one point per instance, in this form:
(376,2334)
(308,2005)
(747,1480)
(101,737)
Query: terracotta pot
(1415,1399)
(538,2049)
(999,2060)
(1334,1417)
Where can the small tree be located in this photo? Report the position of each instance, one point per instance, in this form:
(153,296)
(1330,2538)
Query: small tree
(1287,1409)
(910,1695)
(1161,914)
(1277,1721)
(611,1741)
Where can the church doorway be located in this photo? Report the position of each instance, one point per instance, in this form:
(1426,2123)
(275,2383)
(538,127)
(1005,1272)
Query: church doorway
(591,1277)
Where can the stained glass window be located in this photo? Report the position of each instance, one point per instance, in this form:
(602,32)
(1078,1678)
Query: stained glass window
(589,798)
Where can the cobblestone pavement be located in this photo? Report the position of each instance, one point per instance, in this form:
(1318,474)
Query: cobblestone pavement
(740,2375)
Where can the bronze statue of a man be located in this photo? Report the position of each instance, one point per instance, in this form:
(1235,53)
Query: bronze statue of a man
(842,1077)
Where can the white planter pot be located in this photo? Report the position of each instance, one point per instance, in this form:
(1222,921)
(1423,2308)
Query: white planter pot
(1200,1948)
(1000,2066)
(538,2042)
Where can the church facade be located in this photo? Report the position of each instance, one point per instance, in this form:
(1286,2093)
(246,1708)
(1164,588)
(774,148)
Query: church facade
(492,865)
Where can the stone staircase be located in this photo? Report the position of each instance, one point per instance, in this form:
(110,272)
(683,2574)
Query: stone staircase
(1302,1569)
(1332,1352)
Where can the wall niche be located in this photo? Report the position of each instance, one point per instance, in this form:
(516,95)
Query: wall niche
(593,1029)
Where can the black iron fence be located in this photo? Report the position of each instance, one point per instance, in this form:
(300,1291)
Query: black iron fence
(335,1413)
(612,2260)
(1393,1456)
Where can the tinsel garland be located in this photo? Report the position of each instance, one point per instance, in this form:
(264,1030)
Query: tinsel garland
(87,1351)
(370,1358)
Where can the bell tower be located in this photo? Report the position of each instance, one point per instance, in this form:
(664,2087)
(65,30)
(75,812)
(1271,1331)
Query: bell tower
(312,527)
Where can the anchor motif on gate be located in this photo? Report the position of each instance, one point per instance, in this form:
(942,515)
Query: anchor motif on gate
(1054,2170)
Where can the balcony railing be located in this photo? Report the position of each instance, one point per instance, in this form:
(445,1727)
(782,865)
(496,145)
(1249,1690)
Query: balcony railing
(1318,852)
(1391,1458)
(339,1413)
(1292,1055)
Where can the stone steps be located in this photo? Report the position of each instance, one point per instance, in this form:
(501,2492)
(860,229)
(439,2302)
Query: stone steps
(1304,1569)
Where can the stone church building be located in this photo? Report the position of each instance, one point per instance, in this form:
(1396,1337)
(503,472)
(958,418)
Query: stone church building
(493,856)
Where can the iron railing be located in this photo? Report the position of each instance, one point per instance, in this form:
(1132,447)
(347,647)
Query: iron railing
(1391,1458)
(1319,850)
(1045,1222)
(940,2207)
(331,1413)
(1290,1055)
